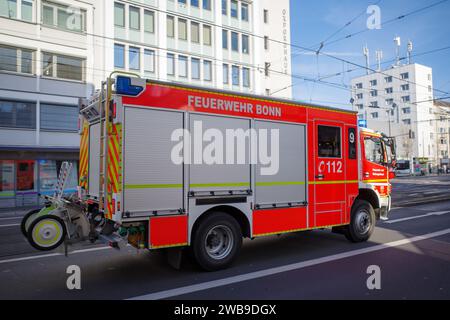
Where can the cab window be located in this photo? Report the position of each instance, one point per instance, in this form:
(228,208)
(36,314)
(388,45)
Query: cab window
(374,150)
(329,142)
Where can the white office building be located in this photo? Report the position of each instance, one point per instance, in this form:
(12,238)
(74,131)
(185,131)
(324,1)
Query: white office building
(54,51)
(399,102)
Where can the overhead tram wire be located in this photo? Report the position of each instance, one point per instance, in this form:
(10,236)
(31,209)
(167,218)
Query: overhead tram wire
(257,36)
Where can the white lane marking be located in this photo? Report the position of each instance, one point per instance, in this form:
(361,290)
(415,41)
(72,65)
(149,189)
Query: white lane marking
(295,266)
(52,255)
(9,225)
(11,218)
(439,213)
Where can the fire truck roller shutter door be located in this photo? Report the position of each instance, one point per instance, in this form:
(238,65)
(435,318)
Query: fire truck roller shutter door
(94,156)
(288,184)
(232,175)
(152,181)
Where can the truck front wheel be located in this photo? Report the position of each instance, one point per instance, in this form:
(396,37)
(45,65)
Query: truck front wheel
(216,241)
(362,222)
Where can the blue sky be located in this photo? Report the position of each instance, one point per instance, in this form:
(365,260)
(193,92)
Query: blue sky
(314,21)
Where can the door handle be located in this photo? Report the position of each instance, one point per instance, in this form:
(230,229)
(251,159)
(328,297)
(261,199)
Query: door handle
(320,176)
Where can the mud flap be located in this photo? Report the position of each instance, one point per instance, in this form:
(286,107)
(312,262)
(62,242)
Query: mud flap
(174,257)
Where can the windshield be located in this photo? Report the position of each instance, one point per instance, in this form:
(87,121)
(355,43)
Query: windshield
(374,150)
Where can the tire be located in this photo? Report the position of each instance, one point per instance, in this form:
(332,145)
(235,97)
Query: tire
(47,233)
(362,222)
(216,241)
(24,221)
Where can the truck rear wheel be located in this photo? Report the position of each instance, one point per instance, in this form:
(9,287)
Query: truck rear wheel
(25,221)
(216,241)
(362,222)
(47,232)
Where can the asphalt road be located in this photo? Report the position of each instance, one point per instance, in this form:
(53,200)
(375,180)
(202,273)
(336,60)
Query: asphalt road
(412,251)
(413,190)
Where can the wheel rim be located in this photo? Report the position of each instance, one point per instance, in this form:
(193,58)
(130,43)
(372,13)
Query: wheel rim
(219,242)
(363,222)
(47,232)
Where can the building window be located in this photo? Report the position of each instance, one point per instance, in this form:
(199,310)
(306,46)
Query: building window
(224,7)
(244,12)
(195,66)
(195,32)
(63,17)
(170,64)
(406,121)
(15,114)
(171,26)
(16,59)
(234,9)
(134,18)
(266,42)
(119,14)
(405,87)
(182,66)
(373,83)
(389,90)
(182,29)
(360,106)
(9,9)
(245,44)
(207,70)
(267,92)
(119,56)
(374,115)
(329,142)
(149,60)
(235,76)
(406,110)
(406,99)
(207,35)
(374,104)
(359,86)
(389,102)
(388,79)
(404,75)
(63,67)
(58,117)
(182,2)
(429,89)
(225,73)
(195,3)
(373,93)
(149,21)
(234,41)
(266,16)
(27,10)
(207,4)
(224,39)
(359,96)
(133,58)
(246,77)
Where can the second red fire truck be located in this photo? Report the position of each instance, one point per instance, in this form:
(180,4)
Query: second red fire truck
(151,172)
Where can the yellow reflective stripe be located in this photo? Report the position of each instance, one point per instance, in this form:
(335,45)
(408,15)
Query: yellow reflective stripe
(170,245)
(334,182)
(216,185)
(153,186)
(376,181)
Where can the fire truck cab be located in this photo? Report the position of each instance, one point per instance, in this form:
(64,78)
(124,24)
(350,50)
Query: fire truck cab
(152,174)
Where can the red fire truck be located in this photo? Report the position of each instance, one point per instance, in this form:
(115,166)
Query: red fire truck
(143,177)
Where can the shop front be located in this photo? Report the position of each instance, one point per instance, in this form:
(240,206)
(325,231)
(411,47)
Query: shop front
(26,174)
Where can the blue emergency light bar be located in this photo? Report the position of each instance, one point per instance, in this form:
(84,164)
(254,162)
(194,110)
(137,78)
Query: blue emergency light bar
(124,86)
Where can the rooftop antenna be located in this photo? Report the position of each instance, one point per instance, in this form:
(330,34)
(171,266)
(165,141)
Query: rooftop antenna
(410,49)
(366,54)
(397,42)
(379,56)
